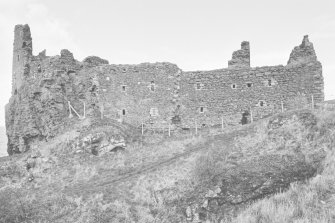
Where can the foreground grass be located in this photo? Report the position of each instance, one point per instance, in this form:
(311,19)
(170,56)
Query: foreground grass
(312,201)
(160,196)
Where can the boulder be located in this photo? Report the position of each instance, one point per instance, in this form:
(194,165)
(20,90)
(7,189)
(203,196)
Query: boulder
(99,143)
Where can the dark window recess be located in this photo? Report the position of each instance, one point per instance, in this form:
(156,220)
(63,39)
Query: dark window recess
(123,88)
(261,103)
(245,117)
(269,82)
(176,119)
(93,88)
(152,86)
(71,72)
(123,111)
(233,86)
(198,86)
(201,109)
(249,84)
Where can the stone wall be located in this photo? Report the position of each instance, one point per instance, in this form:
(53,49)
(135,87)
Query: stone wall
(206,96)
(145,93)
(156,94)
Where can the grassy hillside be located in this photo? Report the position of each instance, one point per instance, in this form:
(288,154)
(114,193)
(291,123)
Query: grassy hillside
(244,174)
(3,142)
(311,201)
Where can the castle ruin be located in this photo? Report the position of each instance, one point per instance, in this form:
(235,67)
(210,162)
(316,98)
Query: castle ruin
(155,93)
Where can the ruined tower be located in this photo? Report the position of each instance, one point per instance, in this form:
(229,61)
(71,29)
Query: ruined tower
(241,58)
(22,54)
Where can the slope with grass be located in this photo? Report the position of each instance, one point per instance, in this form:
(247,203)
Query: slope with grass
(216,177)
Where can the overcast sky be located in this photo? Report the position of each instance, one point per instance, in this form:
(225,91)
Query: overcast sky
(194,34)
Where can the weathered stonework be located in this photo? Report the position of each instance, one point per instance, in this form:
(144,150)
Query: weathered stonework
(241,58)
(148,93)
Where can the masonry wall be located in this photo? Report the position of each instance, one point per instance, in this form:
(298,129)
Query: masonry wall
(231,92)
(145,93)
(156,94)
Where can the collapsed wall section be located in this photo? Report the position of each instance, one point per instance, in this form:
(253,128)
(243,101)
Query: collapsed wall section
(241,58)
(38,110)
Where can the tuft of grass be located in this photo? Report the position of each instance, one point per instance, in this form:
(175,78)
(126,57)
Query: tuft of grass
(313,201)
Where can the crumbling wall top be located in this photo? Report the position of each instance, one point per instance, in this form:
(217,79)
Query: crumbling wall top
(95,61)
(241,58)
(303,53)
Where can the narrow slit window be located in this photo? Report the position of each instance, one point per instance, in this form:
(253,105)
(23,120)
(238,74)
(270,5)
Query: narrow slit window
(202,109)
(198,86)
(152,86)
(123,112)
(261,103)
(123,88)
(269,82)
(249,84)
(233,86)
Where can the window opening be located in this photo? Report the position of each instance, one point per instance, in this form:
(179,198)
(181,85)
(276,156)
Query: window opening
(153,112)
(152,86)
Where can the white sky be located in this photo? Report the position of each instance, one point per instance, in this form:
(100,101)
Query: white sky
(194,34)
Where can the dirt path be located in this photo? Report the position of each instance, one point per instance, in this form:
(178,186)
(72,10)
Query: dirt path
(110,179)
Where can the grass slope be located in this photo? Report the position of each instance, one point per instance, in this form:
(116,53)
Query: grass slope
(156,182)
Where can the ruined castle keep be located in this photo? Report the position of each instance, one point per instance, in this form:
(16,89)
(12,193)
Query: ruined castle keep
(150,93)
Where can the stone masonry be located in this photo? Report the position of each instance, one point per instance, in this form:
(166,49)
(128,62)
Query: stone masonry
(148,93)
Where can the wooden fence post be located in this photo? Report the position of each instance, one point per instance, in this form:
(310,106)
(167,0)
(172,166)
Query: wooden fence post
(102,111)
(251,116)
(84,109)
(74,110)
(312,102)
(169,130)
(70,115)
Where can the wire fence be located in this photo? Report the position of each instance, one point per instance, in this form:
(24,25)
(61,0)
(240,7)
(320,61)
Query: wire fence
(221,123)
